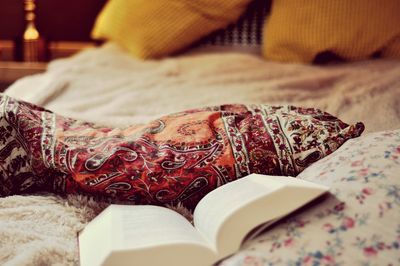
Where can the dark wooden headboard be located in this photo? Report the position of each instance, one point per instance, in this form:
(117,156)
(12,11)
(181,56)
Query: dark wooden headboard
(57,20)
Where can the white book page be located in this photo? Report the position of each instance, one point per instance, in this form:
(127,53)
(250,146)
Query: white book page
(218,205)
(239,203)
(149,226)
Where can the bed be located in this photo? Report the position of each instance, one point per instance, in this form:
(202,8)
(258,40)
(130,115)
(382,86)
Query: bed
(357,225)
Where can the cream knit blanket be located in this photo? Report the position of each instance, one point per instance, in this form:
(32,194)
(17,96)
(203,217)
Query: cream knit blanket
(108,86)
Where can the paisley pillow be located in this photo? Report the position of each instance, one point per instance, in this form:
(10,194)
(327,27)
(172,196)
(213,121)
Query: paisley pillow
(177,158)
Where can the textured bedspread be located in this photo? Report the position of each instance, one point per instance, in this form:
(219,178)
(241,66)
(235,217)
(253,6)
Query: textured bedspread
(106,85)
(357,227)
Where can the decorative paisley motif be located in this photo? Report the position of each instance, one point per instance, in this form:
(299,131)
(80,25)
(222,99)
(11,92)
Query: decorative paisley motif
(98,160)
(198,184)
(170,165)
(117,186)
(156,129)
(164,195)
(191,128)
(101,179)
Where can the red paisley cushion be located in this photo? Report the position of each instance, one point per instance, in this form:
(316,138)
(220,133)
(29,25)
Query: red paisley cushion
(177,158)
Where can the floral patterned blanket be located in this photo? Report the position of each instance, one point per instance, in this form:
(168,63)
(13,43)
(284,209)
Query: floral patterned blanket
(358,225)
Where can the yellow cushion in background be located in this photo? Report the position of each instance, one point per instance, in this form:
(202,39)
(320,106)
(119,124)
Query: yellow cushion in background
(156,28)
(298,30)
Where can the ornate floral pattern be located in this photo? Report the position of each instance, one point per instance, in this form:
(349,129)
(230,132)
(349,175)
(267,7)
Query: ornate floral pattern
(177,158)
(359,224)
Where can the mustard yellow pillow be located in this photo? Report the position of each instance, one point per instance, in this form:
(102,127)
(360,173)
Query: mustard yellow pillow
(297,31)
(156,28)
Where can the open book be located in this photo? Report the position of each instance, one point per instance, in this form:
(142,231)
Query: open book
(152,235)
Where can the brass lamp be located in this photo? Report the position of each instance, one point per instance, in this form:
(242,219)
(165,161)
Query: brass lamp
(32,42)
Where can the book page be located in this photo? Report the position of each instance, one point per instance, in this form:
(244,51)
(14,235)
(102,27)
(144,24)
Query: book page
(143,226)
(214,209)
(226,214)
(122,234)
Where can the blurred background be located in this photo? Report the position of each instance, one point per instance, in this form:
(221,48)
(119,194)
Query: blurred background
(63,25)
(34,32)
